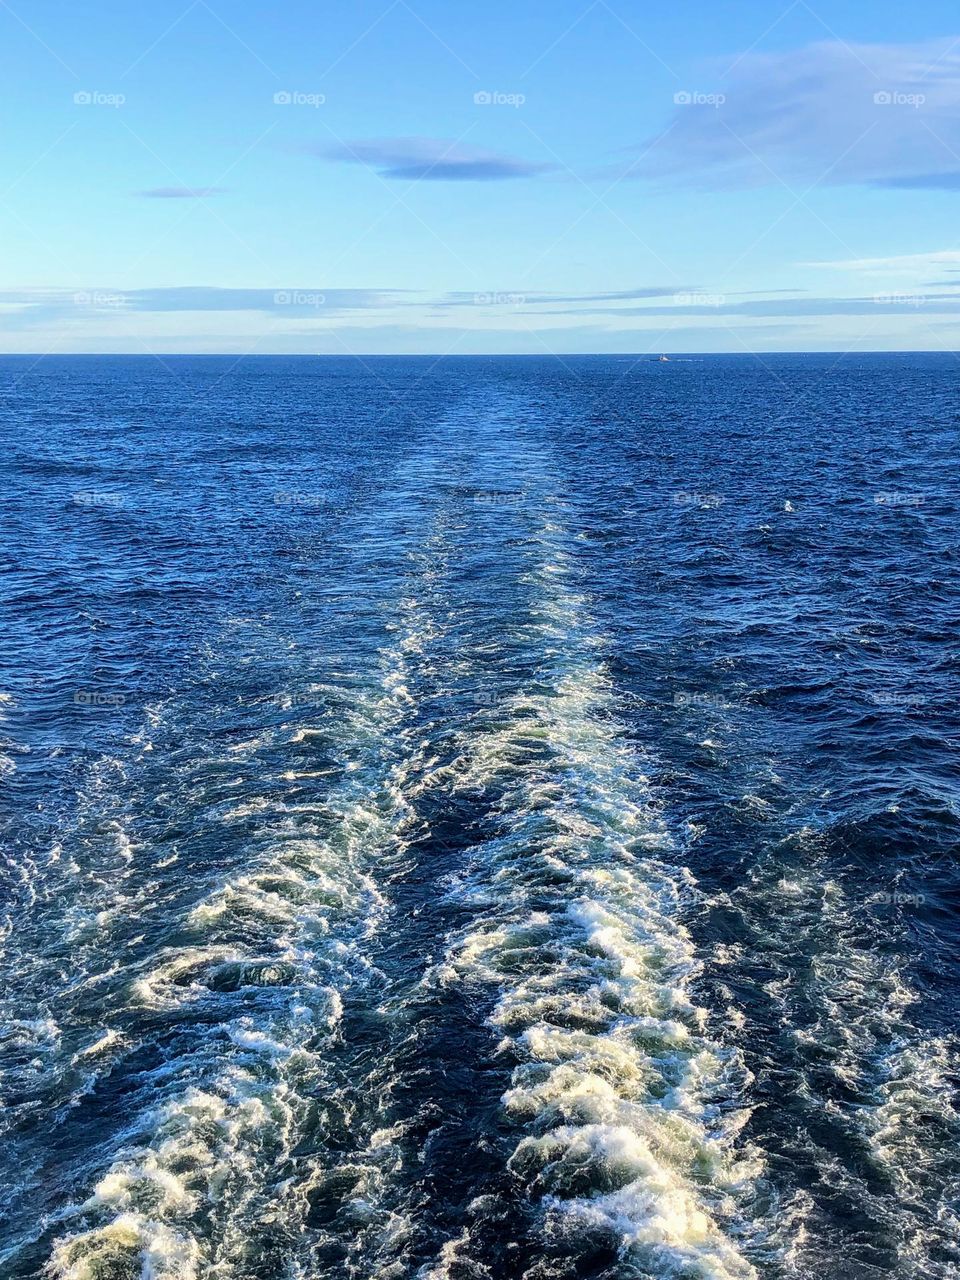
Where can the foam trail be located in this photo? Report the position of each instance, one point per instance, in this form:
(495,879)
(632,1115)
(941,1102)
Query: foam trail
(629,1112)
(209,1173)
(913,1134)
(862,1064)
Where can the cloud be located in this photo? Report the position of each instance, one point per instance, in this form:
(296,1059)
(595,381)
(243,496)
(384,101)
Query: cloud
(520,297)
(899,264)
(452,341)
(876,115)
(923,182)
(391,339)
(431,159)
(26,308)
(181,193)
(303,301)
(716,306)
(624,295)
(31,305)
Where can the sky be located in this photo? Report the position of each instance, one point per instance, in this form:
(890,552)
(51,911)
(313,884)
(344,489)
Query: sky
(512,176)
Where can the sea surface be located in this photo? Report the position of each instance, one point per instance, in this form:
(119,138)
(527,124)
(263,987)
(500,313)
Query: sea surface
(480,819)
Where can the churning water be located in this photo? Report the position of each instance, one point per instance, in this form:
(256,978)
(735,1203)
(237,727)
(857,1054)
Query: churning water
(480,819)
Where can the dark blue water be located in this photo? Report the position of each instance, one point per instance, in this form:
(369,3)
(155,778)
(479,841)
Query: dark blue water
(480,819)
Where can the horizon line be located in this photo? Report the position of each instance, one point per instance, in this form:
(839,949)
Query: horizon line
(461,355)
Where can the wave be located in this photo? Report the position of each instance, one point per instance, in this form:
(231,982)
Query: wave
(871,1117)
(629,1112)
(211,1172)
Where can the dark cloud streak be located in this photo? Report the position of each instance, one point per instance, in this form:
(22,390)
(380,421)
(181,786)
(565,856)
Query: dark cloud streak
(430,160)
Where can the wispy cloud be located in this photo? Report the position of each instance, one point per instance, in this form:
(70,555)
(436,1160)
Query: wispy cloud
(32,305)
(652,309)
(431,159)
(284,300)
(877,115)
(923,182)
(898,264)
(181,193)
(524,297)
(27,308)
(889,303)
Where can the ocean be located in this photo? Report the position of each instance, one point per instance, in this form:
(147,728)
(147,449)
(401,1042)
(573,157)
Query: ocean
(480,818)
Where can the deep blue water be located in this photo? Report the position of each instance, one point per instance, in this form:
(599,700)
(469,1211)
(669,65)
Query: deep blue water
(480,818)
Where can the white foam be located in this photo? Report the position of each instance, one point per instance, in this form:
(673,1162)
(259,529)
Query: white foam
(109,1038)
(163,1253)
(848,1009)
(173,1203)
(578,933)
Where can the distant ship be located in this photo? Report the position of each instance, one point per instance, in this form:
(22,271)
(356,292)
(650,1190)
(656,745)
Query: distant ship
(664,360)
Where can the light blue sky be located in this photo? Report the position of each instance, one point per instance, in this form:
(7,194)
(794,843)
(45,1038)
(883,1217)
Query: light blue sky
(516,176)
